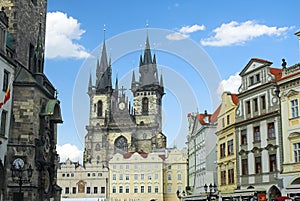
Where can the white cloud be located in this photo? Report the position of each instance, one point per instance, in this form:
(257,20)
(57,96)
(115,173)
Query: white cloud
(238,33)
(232,84)
(61,33)
(184,31)
(68,151)
(177,36)
(191,29)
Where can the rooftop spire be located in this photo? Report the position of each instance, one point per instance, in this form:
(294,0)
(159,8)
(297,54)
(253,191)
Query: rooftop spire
(103,71)
(147,53)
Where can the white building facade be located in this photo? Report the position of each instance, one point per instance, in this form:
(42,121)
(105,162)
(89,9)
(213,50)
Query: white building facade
(258,131)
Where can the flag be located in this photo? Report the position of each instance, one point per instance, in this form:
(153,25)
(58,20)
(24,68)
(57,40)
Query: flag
(7,95)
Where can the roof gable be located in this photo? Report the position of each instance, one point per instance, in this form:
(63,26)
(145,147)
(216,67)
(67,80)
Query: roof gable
(254,64)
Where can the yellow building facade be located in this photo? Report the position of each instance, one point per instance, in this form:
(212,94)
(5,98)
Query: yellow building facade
(136,176)
(226,143)
(175,174)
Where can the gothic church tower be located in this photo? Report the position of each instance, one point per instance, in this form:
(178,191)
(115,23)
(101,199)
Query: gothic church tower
(116,126)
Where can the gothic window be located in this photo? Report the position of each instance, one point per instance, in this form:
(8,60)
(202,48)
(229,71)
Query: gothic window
(121,144)
(145,105)
(97,147)
(100,108)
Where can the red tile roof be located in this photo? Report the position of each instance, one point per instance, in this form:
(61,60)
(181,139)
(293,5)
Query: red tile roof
(235,99)
(276,72)
(201,118)
(214,116)
(129,154)
(262,60)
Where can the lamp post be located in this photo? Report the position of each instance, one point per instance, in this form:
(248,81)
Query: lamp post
(17,174)
(212,191)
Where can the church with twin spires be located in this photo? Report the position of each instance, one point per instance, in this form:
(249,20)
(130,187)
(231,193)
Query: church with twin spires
(115,124)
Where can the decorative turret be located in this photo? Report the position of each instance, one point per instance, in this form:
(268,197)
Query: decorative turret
(90,87)
(133,82)
(38,58)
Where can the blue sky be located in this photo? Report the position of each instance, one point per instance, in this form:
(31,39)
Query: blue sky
(198,45)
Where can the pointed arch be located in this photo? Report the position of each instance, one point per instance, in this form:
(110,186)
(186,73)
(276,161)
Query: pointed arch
(274,192)
(145,105)
(99,109)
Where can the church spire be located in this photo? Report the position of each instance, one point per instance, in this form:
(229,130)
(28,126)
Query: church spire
(147,53)
(103,71)
(133,83)
(161,83)
(90,87)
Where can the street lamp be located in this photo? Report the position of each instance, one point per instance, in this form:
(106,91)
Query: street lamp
(17,170)
(212,191)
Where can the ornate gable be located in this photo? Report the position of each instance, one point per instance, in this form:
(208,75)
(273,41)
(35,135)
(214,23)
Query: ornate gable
(254,64)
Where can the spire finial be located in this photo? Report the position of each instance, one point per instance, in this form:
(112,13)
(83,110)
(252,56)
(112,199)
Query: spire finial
(104,30)
(147,26)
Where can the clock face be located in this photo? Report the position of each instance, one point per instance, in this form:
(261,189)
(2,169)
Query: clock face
(122,106)
(18,163)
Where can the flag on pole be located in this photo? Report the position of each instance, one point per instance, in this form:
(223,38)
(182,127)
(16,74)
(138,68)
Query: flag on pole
(7,95)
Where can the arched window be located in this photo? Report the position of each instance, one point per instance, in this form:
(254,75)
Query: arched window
(145,105)
(121,144)
(99,108)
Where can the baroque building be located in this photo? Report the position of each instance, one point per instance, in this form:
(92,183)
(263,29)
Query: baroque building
(136,176)
(226,146)
(35,112)
(289,91)
(116,125)
(258,131)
